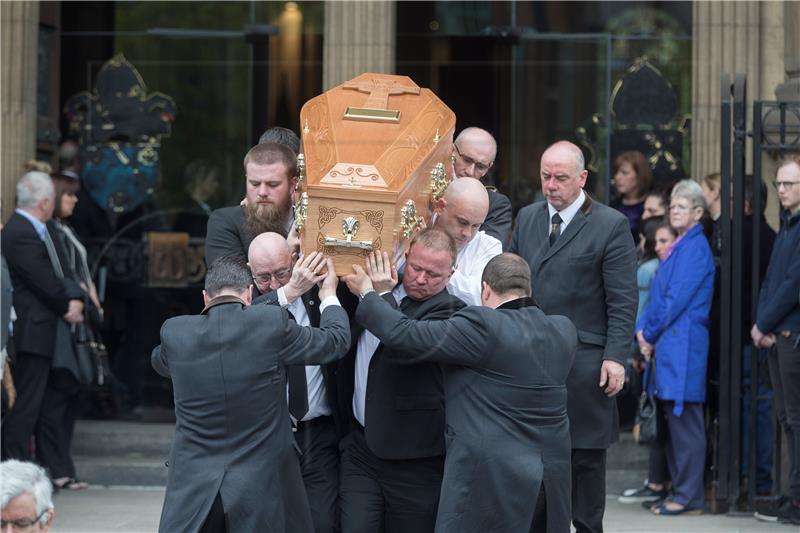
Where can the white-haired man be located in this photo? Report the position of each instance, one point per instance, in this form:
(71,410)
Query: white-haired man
(26,497)
(40,299)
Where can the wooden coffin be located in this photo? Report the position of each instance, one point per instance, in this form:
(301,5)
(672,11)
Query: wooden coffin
(374,152)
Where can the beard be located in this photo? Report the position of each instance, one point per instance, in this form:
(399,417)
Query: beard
(260,219)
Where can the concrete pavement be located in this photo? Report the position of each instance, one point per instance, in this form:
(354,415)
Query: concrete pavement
(137,510)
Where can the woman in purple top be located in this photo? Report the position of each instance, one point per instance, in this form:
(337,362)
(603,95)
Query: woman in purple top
(632,178)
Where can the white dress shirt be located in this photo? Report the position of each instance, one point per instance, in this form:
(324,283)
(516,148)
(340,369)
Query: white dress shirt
(566,214)
(367,345)
(317,401)
(465,282)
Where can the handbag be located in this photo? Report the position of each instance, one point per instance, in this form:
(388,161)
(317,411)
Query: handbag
(99,357)
(645,430)
(69,354)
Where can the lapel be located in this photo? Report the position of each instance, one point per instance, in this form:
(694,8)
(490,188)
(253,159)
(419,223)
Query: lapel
(576,224)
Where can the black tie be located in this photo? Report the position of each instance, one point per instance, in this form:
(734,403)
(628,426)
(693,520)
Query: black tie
(298,391)
(555,228)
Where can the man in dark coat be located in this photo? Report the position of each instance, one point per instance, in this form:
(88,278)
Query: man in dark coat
(285,281)
(392,460)
(473,155)
(505,395)
(40,299)
(233,466)
(271,176)
(583,266)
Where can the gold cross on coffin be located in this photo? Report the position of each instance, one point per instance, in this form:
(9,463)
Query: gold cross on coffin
(375,108)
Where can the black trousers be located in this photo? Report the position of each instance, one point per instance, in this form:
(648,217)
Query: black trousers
(588,490)
(318,454)
(55,427)
(216,521)
(383,496)
(30,378)
(784,371)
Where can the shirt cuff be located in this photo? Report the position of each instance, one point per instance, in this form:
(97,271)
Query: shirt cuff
(282,297)
(330,300)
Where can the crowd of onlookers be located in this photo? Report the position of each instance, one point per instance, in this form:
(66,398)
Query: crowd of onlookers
(676,353)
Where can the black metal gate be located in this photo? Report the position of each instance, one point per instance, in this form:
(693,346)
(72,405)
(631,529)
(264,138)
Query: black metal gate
(776,130)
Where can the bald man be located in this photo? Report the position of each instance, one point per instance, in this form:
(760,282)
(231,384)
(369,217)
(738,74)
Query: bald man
(583,266)
(460,213)
(311,395)
(473,155)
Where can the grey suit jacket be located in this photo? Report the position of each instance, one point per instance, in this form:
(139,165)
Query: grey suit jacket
(226,234)
(589,276)
(498,219)
(232,434)
(507,431)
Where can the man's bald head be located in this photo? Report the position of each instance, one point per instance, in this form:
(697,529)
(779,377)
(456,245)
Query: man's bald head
(474,151)
(462,210)
(567,149)
(270,260)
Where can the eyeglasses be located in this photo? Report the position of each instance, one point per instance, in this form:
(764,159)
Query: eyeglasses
(480,167)
(21,524)
(785,184)
(280,275)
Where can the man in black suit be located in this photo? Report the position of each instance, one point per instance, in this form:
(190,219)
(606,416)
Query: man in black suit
(393,458)
(271,176)
(40,299)
(506,364)
(311,389)
(233,466)
(583,266)
(473,155)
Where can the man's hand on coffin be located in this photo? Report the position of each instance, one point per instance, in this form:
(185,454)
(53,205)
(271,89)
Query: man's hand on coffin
(305,275)
(329,281)
(381,271)
(358,282)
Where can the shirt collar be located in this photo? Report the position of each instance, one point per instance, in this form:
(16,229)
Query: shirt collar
(569,212)
(38,225)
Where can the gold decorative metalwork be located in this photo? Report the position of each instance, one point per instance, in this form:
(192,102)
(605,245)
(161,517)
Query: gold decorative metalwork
(305,127)
(409,220)
(301,171)
(349,230)
(436,137)
(301,212)
(439,181)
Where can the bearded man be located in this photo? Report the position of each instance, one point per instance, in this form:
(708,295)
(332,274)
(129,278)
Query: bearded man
(271,176)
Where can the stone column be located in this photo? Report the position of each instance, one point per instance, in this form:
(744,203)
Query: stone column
(790,89)
(19,27)
(732,37)
(359,37)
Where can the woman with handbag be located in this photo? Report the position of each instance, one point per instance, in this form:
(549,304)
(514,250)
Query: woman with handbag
(59,410)
(675,325)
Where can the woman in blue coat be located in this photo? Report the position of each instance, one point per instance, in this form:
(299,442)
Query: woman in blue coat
(675,324)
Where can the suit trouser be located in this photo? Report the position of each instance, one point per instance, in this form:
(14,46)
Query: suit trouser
(392,496)
(784,371)
(657,469)
(686,453)
(216,520)
(54,429)
(588,489)
(318,454)
(30,378)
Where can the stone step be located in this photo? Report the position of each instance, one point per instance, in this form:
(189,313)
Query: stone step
(113,438)
(627,455)
(121,471)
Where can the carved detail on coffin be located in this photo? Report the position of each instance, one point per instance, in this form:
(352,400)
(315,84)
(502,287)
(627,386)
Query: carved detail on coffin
(354,175)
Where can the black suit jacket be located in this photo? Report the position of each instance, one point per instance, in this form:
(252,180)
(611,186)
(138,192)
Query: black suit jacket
(589,276)
(311,302)
(404,408)
(233,433)
(507,428)
(226,234)
(40,298)
(498,220)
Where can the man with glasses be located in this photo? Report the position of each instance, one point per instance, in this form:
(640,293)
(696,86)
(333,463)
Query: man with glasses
(473,155)
(26,498)
(311,390)
(778,323)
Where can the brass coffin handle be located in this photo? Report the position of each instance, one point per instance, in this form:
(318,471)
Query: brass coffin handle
(349,230)
(409,220)
(301,212)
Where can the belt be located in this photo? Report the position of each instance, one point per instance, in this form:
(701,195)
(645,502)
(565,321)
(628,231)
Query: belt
(303,424)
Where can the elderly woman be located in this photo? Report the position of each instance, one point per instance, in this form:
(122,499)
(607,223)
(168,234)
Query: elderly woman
(675,323)
(26,497)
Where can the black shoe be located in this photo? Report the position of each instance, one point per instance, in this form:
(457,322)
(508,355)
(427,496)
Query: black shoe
(774,510)
(642,494)
(652,503)
(790,514)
